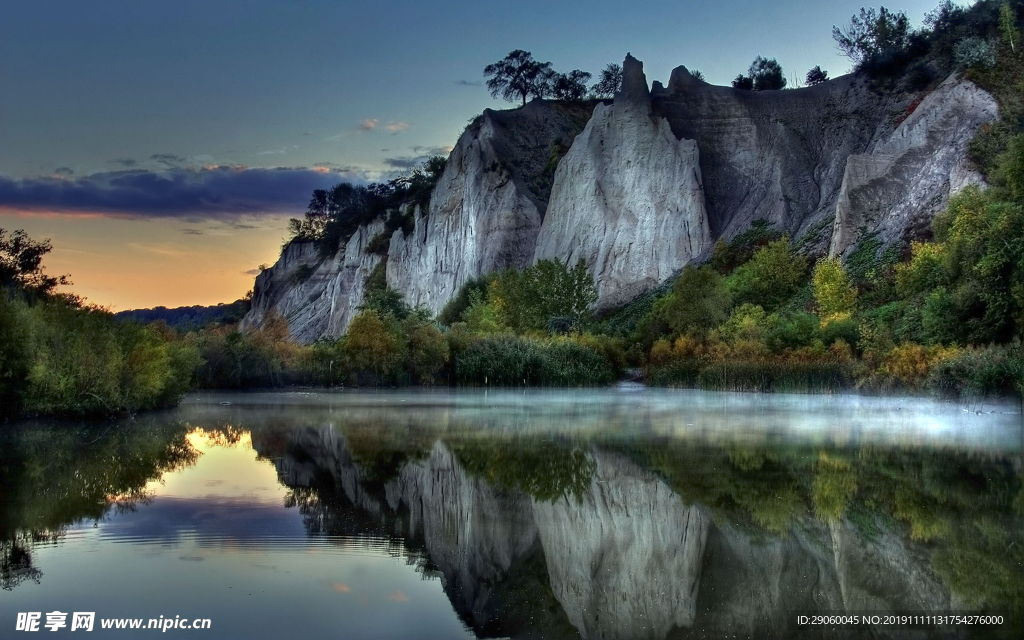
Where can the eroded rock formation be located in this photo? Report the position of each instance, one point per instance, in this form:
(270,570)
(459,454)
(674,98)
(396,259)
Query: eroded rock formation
(649,182)
(627,198)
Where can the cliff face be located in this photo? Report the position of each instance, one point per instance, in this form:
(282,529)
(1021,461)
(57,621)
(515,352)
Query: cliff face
(487,208)
(898,186)
(627,198)
(649,182)
(317,297)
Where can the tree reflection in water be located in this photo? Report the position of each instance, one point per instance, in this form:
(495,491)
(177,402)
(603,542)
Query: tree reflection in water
(541,532)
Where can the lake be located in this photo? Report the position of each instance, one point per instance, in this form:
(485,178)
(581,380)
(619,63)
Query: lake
(612,513)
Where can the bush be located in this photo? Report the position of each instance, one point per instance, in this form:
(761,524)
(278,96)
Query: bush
(525,300)
(514,361)
(980,373)
(975,52)
(770,278)
(84,362)
(698,301)
(453,311)
(373,347)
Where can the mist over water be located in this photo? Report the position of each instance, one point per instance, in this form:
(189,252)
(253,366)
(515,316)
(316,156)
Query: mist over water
(615,513)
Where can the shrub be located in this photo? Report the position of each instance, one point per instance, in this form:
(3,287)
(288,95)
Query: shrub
(835,294)
(980,372)
(428,352)
(514,361)
(770,278)
(525,300)
(372,347)
(453,311)
(909,365)
(975,52)
(698,301)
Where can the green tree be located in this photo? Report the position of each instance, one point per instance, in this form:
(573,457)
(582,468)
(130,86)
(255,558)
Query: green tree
(517,76)
(527,300)
(766,74)
(835,294)
(698,302)
(873,34)
(816,76)
(743,82)
(21,264)
(770,278)
(372,346)
(571,86)
(610,82)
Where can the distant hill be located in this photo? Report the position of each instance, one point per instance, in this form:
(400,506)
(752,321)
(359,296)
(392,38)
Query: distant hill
(186,318)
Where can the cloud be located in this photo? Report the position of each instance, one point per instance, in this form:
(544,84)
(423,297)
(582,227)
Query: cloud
(469,83)
(252,272)
(167,158)
(271,152)
(421,155)
(443,150)
(398,596)
(369,124)
(192,194)
(405,162)
(126,162)
(341,587)
(64,171)
(192,232)
(396,127)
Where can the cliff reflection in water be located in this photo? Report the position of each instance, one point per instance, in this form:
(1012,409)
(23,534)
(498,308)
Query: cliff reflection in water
(599,517)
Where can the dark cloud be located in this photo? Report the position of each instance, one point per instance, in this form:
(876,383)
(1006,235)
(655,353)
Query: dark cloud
(469,83)
(192,232)
(421,155)
(405,162)
(252,272)
(192,194)
(126,162)
(167,158)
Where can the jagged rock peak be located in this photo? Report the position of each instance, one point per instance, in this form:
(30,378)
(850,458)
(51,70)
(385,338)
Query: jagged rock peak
(681,80)
(634,83)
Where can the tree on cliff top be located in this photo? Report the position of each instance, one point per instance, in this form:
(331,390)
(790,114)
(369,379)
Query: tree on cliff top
(764,75)
(816,76)
(610,82)
(518,76)
(873,34)
(570,86)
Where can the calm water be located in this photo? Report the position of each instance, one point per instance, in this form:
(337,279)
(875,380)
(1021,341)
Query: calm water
(621,513)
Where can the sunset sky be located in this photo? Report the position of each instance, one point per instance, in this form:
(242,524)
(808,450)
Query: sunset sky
(163,146)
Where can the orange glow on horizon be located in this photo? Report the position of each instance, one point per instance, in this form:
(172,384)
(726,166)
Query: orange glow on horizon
(129,263)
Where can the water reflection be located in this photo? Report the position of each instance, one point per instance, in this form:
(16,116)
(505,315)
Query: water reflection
(639,514)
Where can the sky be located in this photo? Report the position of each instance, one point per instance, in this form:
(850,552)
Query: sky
(162,146)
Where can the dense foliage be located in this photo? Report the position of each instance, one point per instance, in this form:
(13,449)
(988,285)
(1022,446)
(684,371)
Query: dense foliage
(335,214)
(194,317)
(60,356)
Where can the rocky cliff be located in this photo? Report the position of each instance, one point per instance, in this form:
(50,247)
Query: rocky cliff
(628,198)
(642,186)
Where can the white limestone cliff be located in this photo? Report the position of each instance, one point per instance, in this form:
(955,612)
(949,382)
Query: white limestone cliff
(905,179)
(627,198)
(648,184)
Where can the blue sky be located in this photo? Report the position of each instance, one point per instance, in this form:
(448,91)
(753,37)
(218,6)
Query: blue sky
(110,93)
